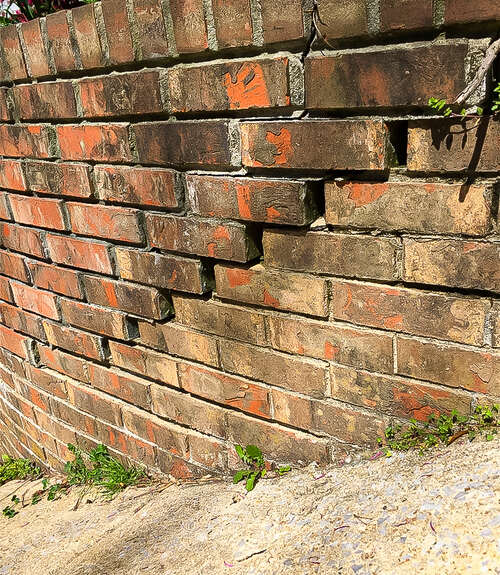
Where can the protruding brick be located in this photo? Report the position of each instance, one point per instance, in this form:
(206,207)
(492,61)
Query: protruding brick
(45,101)
(15,342)
(26,140)
(87,37)
(119,224)
(299,293)
(35,53)
(60,41)
(56,279)
(38,301)
(22,321)
(233,23)
(11,175)
(12,53)
(189,26)
(40,212)
(84,254)
(118,31)
(64,363)
(97,142)
(463,12)
(152,35)
(405,15)
(13,265)
(97,319)
(75,341)
(282,20)
(342,19)
(344,145)
(58,179)
(21,239)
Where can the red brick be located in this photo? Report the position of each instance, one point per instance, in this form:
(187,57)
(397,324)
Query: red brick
(22,321)
(131,298)
(455,366)
(15,342)
(342,19)
(118,31)
(5,115)
(151,32)
(282,20)
(331,253)
(131,185)
(451,145)
(344,144)
(45,101)
(56,279)
(97,319)
(11,175)
(144,361)
(75,341)
(41,400)
(454,263)
(411,311)
(127,387)
(203,237)
(189,25)
(94,403)
(13,363)
(87,37)
(40,212)
(119,224)
(219,318)
(139,93)
(64,363)
(34,52)
(97,142)
(393,77)
(292,409)
(178,340)
(84,254)
(200,144)
(26,140)
(58,179)
(5,293)
(48,381)
(462,11)
(422,207)
(60,41)
(13,265)
(38,301)
(337,342)
(12,53)
(299,293)
(208,452)
(233,23)
(4,208)
(403,15)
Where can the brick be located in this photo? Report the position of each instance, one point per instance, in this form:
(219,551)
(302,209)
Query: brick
(345,144)
(131,185)
(164,271)
(292,409)
(21,321)
(118,31)
(454,263)
(97,142)
(495,324)
(12,53)
(463,12)
(455,366)
(74,418)
(178,340)
(144,361)
(412,311)
(200,144)
(87,37)
(270,201)
(13,363)
(422,207)
(131,298)
(40,212)
(189,26)
(4,208)
(203,237)
(59,179)
(299,293)
(45,101)
(16,343)
(124,386)
(5,293)
(403,15)
(121,95)
(48,381)
(282,20)
(119,224)
(11,175)
(233,23)
(5,115)
(331,253)
(34,52)
(84,254)
(56,279)
(21,239)
(94,403)
(26,140)
(342,19)
(451,145)
(13,265)
(152,35)
(208,452)
(75,341)
(337,342)
(64,363)
(96,319)
(38,301)
(388,78)
(60,41)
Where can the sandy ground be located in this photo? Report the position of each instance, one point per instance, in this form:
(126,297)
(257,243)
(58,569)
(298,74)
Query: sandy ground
(437,514)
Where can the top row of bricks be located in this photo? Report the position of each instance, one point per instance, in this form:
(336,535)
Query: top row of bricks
(120,32)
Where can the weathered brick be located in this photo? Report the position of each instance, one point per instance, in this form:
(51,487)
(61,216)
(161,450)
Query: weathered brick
(94,403)
(11,175)
(84,254)
(22,321)
(152,35)
(202,144)
(25,140)
(5,293)
(331,253)
(41,212)
(38,301)
(12,53)
(5,115)
(87,37)
(282,20)
(58,179)
(15,342)
(97,319)
(164,271)
(292,409)
(412,311)
(4,208)
(299,293)
(233,23)
(422,207)
(203,237)
(34,52)
(178,340)
(21,239)
(189,25)
(144,361)
(13,265)
(118,32)
(392,77)
(495,324)
(342,19)
(75,341)
(132,298)
(127,387)
(452,145)
(337,342)
(270,201)
(45,101)
(344,145)
(56,279)
(454,263)
(463,12)
(120,224)
(64,363)
(131,185)
(97,142)
(48,381)
(208,452)
(403,15)
(462,367)
(76,419)
(60,41)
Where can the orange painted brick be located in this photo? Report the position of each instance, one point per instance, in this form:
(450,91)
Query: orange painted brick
(342,19)
(13,265)
(152,34)
(463,12)
(14,342)
(282,21)
(45,101)
(56,279)
(22,321)
(120,224)
(26,140)
(84,254)
(35,54)
(21,239)
(87,37)
(11,175)
(118,31)
(95,403)
(58,179)
(98,142)
(38,301)
(404,15)
(97,319)
(127,387)
(64,363)
(60,41)
(233,23)
(41,212)
(75,341)
(15,68)
(189,25)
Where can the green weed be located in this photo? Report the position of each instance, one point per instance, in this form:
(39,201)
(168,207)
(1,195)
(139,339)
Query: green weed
(11,468)
(252,456)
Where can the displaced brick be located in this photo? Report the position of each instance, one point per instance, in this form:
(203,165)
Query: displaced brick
(34,52)
(84,254)
(233,23)
(75,341)
(11,175)
(282,20)
(119,224)
(189,25)
(56,279)
(97,142)
(13,265)
(404,15)
(26,140)
(342,19)
(118,31)
(60,41)
(463,12)
(45,101)
(40,212)
(19,320)
(16,343)
(127,387)
(151,32)
(58,179)
(97,319)
(87,37)
(38,301)
(64,363)
(12,53)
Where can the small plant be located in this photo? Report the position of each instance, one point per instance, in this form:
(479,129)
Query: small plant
(252,456)
(496,101)
(9,512)
(11,468)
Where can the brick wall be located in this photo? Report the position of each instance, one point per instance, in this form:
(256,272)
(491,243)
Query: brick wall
(213,232)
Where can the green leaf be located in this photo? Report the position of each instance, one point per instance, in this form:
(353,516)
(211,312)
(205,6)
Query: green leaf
(479,111)
(239,475)
(254,452)
(284,469)
(240,452)
(250,484)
